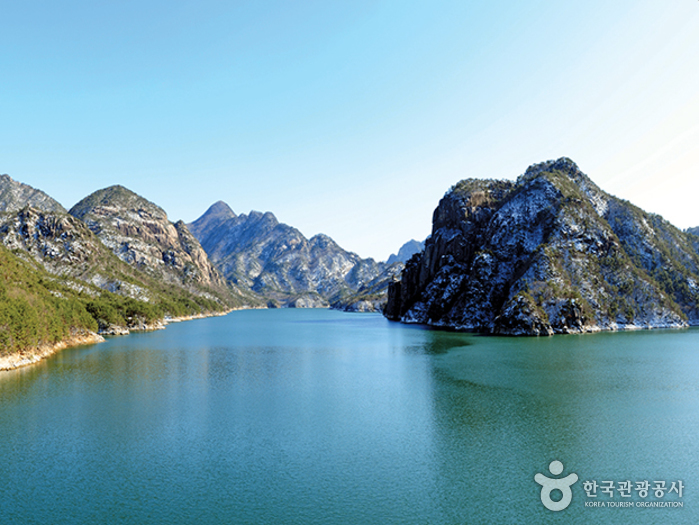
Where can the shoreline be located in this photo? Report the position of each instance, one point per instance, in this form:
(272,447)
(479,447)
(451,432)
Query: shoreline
(35,355)
(588,329)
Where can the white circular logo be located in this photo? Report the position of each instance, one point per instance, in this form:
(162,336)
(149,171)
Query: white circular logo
(550,484)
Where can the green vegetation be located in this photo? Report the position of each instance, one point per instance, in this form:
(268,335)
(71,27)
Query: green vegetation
(36,308)
(30,312)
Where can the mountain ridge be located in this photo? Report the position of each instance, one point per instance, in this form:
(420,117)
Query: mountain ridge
(277,261)
(548,253)
(82,285)
(140,233)
(406,251)
(15,195)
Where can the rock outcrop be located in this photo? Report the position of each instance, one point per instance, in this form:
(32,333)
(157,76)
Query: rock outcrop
(258,253)
(66,248)
(140,234)
(549,253)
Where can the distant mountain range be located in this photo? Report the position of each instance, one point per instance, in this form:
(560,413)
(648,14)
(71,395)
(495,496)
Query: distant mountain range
(406,251)
(118,264)
(115,259)
(549,253)
(258,253)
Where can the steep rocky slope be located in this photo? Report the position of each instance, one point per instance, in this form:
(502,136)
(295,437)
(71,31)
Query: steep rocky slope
(16,195)
(549,253)
(121,297)
(140,234)
(162,272)
(259,253)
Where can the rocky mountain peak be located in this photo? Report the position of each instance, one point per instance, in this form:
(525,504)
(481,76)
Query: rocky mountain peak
(569,180)
(16,195)
(218,213)
(563,164)
(550,253)
(220,209)
(268,218)
(323,242)
(139,233)
(118,200)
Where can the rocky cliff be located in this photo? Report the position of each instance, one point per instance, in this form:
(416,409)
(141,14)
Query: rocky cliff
(65,247)
(140,234)
(16,195)
(257,252)
(549,253)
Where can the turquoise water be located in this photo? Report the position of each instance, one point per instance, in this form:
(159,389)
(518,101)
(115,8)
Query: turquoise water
(316,416)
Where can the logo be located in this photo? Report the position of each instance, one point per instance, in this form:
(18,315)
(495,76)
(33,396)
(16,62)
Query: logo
(551,484)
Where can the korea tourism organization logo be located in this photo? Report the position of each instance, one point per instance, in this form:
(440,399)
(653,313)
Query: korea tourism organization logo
(557,491)
(548,485)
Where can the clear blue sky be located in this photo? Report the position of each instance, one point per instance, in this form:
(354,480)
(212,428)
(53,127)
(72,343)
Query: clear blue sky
(348,118)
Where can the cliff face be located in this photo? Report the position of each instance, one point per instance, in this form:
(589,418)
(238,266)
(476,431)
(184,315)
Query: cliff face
(259,253)
(65,247)
(15,195)
(549,253)
(140,234)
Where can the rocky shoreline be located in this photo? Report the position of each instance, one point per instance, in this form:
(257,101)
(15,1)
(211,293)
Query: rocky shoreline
(35,355)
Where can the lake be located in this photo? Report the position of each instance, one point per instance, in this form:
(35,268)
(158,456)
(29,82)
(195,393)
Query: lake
(317,416)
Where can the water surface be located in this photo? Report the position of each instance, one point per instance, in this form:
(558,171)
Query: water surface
(315,416)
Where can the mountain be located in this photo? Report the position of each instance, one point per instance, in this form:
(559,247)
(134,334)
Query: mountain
(549,253)
(258,253)
(163,271)
(140,234)
(16,195)
(371,296)
(406,251)
(121,297)
(217,214)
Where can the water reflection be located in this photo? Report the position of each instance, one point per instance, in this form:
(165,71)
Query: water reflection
(323,417)
(610,406)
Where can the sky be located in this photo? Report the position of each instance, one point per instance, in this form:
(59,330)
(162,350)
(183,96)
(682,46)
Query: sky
(348,118)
